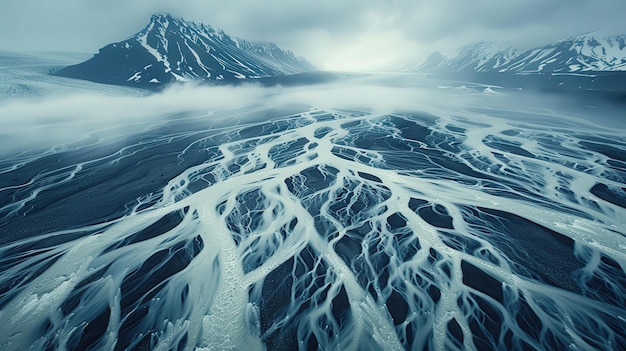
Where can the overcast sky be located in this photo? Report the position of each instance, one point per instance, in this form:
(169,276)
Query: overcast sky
(332,34)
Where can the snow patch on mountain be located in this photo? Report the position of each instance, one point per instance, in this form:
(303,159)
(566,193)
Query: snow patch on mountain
(171,49)
(590,52)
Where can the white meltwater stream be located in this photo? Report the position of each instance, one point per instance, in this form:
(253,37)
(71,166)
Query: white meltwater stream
(444,228)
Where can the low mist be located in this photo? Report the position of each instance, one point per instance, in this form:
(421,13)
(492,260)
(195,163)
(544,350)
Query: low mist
(43,122)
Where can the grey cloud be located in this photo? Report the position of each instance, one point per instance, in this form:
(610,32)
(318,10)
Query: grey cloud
(332,34)
(533,21)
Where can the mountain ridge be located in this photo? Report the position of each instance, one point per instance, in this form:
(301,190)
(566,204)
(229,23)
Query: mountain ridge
(585,53)
(171,49)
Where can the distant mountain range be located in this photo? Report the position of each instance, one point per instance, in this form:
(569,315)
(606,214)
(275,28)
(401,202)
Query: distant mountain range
(171,49)
(583,62)
(578,54)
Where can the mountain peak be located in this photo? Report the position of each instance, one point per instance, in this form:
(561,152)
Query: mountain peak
(433,62)
(160,15)
(171,49)
(161,18)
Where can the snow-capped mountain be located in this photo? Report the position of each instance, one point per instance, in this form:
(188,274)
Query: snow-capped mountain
(433,63)
(171,49)
(583,53)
